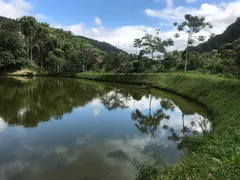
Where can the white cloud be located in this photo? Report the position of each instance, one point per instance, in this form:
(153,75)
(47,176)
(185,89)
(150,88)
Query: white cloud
(18,8)
(98,21)
(122,37)
(42,17)
(169,3)
(220,15)
(2,125)
(14,8)
(191,1)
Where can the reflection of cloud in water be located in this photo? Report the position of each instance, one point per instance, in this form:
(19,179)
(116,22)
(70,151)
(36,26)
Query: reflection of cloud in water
(96,111)
(11,168)
(143,103)
(91,162)
(22,111)
(93,157)
(177,124)
(84,139)
(2,125)
(130,103)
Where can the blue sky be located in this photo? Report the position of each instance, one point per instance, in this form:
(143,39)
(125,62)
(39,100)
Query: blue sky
(120,21)
(113,13)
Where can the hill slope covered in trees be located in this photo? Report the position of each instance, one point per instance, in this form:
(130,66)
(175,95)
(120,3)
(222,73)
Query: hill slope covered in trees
(231,34)
(104,46)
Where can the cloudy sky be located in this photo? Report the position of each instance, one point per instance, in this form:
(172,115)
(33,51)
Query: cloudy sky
(119,22)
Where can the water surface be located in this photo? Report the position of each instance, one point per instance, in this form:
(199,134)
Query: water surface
(52,128)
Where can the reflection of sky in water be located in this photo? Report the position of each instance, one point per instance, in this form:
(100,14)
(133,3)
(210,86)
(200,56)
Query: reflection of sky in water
(84,143)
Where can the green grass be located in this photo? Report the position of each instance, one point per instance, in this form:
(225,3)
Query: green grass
(215,155)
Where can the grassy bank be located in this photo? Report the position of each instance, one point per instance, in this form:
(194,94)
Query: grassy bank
(215,155)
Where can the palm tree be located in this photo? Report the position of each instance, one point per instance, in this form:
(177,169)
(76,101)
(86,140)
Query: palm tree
(28,28)
(148,124)
(137,43)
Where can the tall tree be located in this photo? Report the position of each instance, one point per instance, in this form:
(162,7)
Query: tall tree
(152,43)
(192,25)
(42,39)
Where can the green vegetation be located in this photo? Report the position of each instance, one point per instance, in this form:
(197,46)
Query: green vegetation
(214,155)
(28,44)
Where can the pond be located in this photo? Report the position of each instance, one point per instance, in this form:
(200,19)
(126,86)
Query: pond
(59,128)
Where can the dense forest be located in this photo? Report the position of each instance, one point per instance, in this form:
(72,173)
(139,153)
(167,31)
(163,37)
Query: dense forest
(28,44)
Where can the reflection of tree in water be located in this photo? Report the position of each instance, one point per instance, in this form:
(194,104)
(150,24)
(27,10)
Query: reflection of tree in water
(149,123)
(29,103)
(198,121)
(115,99)
(201,122)
(174,136)
(167,105)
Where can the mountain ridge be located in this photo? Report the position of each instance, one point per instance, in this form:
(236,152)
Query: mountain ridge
(231,34)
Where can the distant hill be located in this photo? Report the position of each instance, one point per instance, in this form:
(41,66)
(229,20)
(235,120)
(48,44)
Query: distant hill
(100,45)
(2,19)
(231,34)
(104,46)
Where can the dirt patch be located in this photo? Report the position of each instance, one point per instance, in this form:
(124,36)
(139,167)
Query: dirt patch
(23,72)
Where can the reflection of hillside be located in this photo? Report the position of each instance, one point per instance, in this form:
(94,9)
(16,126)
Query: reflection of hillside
(28,104)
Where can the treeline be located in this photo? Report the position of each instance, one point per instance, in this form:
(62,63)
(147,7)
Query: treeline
(220,54)
(26,43)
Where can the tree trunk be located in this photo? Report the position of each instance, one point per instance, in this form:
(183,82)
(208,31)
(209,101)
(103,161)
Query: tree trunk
(31,52)
(4,70)
(150,105)
(27,46)
(186,59)
(41,62)
(183,124)
(5,46)
(5,66)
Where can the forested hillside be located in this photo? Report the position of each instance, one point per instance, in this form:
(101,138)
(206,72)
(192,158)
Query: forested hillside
(27,43)
(104,46)
(231,34)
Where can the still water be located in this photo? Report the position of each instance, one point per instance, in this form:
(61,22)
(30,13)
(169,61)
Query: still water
(58,129)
